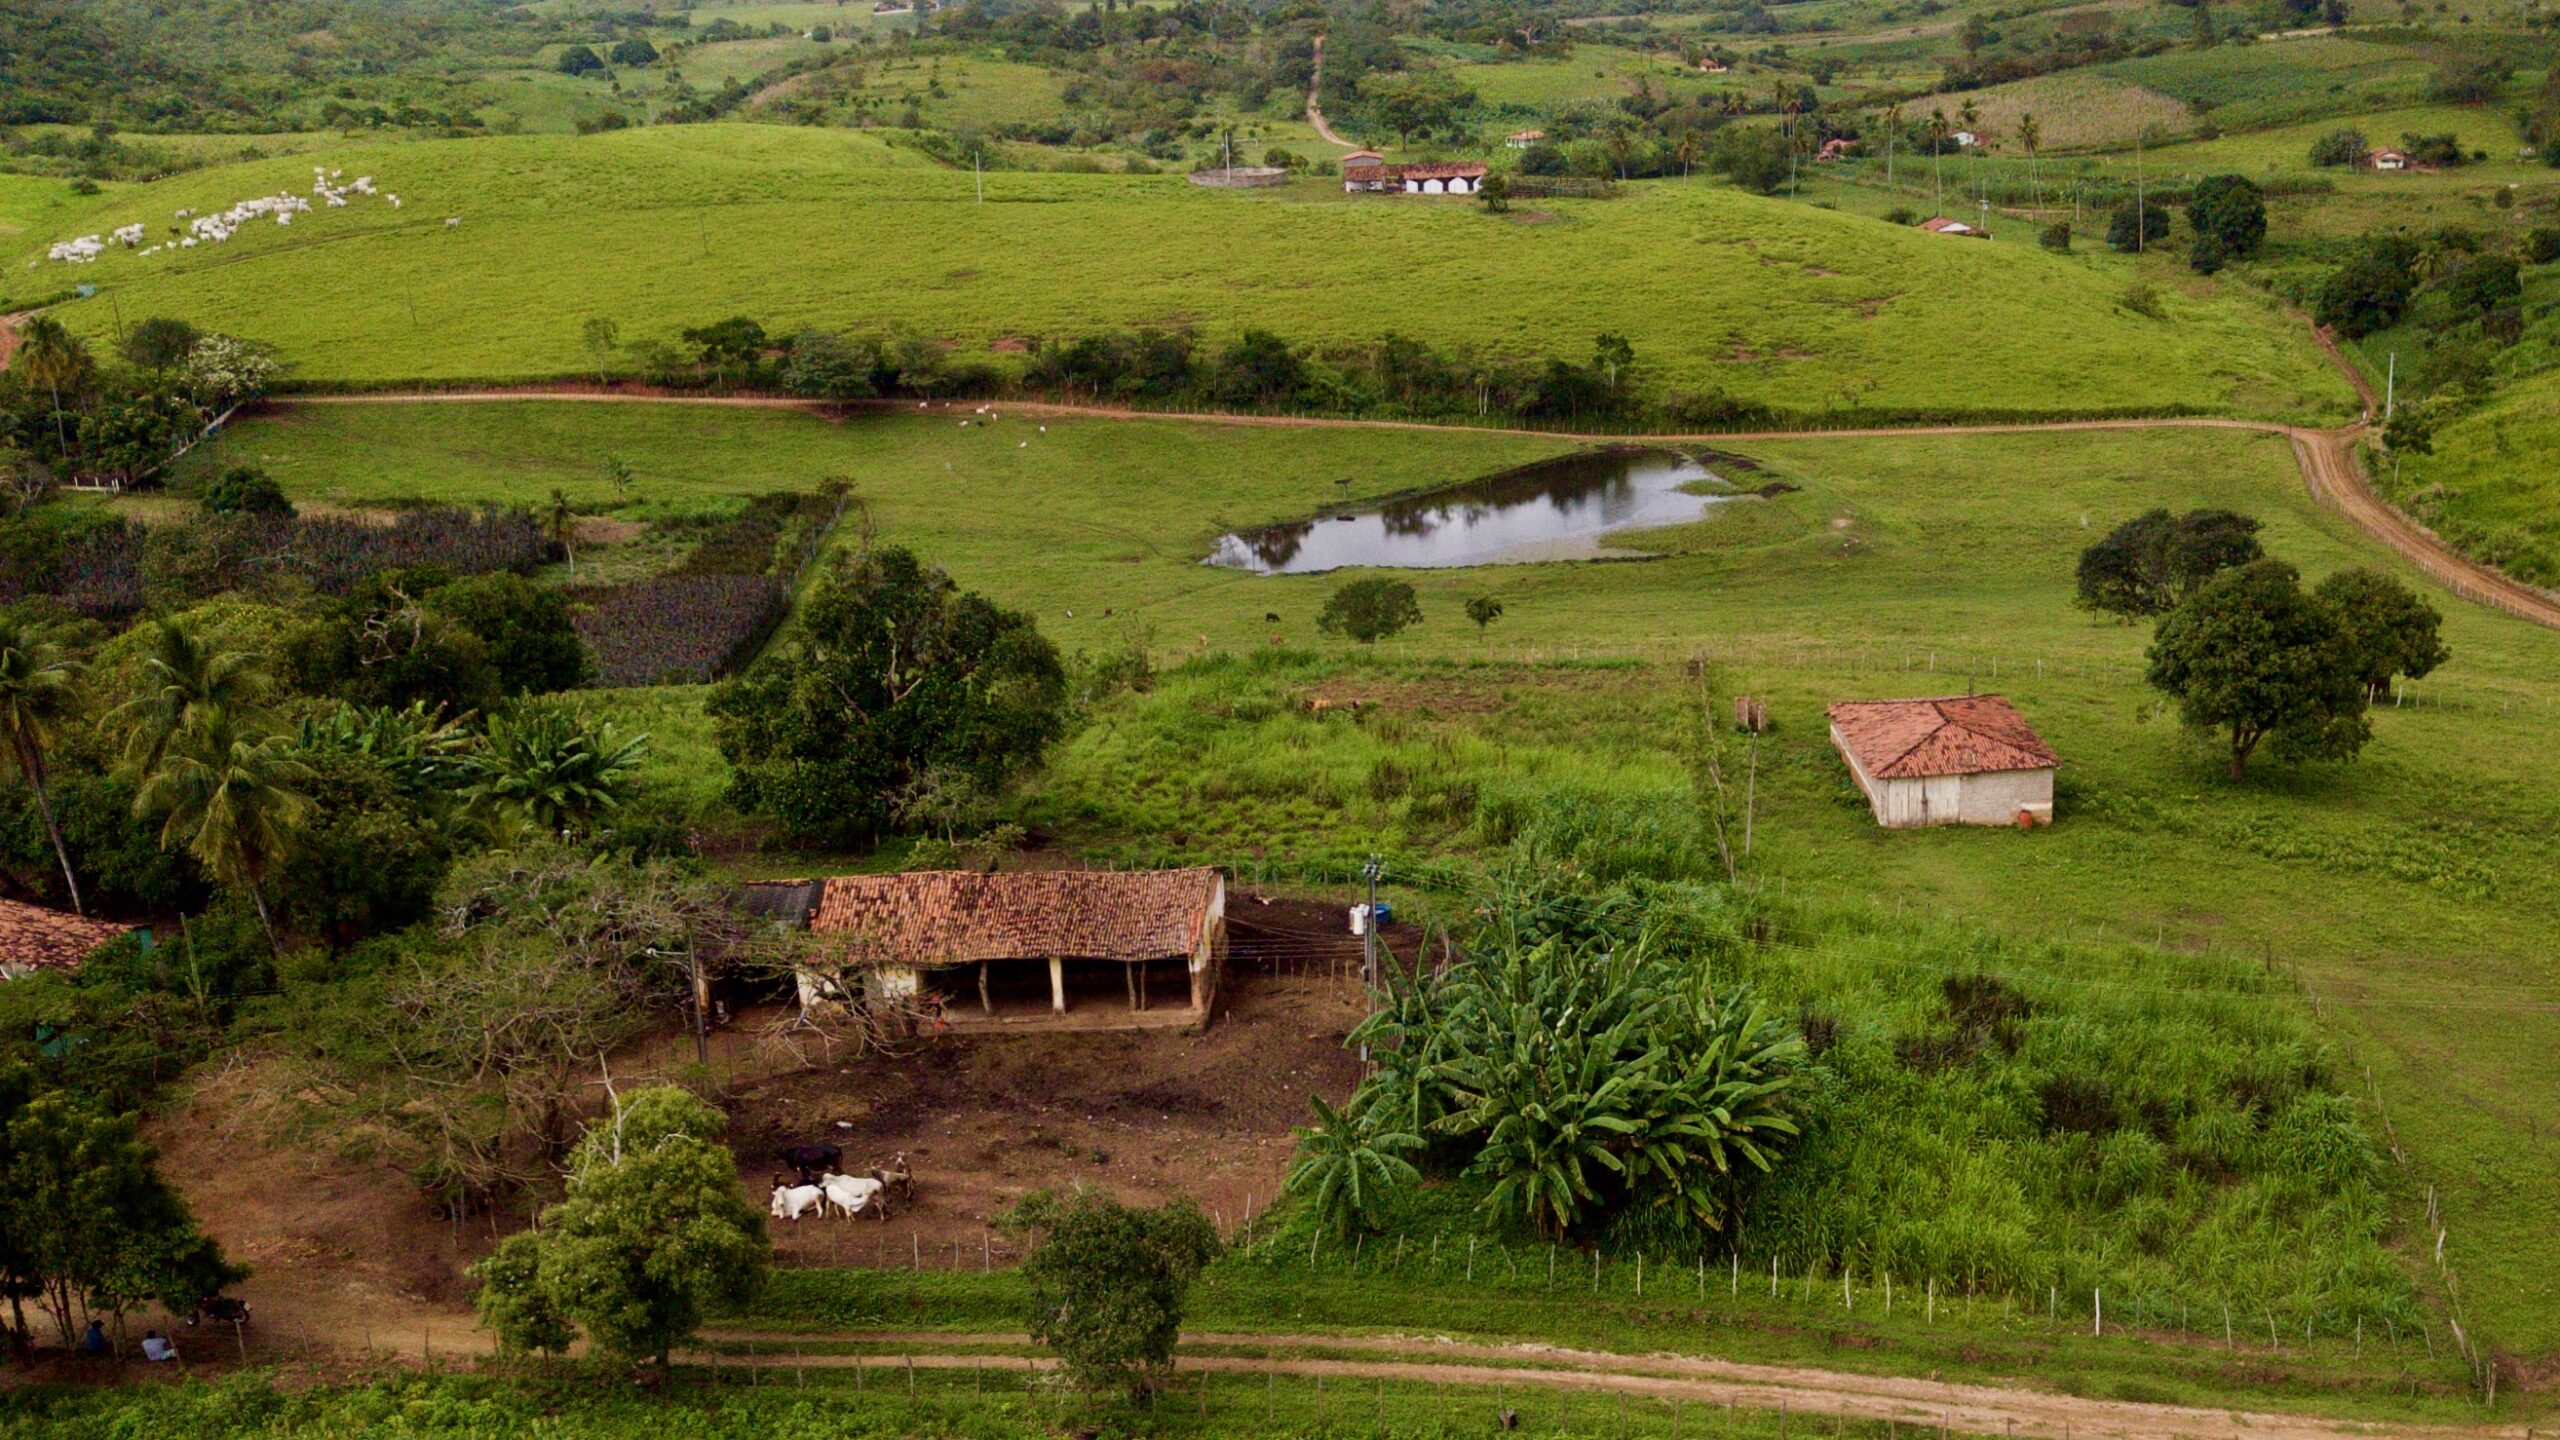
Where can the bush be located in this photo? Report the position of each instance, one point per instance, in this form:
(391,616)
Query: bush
(2542,246)
(1370,610)
(635,51)
(2137,227)
(579,60)
(2340,147)
(524,628)
(1107,1282)
(244,490)
(2232,211)
(2056,236)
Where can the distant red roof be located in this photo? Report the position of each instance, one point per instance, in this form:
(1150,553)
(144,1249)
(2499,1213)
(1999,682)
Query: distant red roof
(1953,735)
(952,917)
(33,937)
(1461,170)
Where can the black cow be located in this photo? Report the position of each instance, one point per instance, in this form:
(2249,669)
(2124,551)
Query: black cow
(812,1161)
(222,1308)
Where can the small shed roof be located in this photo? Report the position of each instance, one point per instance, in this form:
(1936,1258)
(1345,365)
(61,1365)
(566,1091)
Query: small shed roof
(1945,226)
(1951,735)
(1362,157)
(33,937)
(953,917)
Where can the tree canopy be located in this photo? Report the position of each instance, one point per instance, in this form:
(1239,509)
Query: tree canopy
(893,672)
(2148,564)
(1370,610)
(1107,1282)
(2255,657)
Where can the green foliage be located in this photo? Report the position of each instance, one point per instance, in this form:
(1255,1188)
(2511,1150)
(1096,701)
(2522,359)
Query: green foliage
(824,365)
(1751,156)
(2138,227)
(651,1235)
(891,672)
(1370,610)
(1483,610)
(525,631)
(2056,236)
(2484,283)
(2340,147)
(38,693)
(89,1223)
(579,60)
(1346,1168)
(244,490)
(2389,631)
(2148,564)
(1107,1283)
(158,343)
(2369,291)
(635,51)
(2251,654)
(548,770)
(2231,210)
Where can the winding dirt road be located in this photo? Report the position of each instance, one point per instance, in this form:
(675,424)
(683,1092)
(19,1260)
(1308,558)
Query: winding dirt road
(1315,112)
(1816,1394)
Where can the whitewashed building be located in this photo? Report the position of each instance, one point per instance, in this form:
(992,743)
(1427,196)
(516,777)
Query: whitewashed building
(1955,760)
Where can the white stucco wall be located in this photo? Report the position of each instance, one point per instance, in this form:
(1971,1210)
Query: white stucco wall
(1989,799)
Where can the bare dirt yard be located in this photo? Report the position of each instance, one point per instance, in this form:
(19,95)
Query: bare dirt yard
(1145,1115)
(349,1254)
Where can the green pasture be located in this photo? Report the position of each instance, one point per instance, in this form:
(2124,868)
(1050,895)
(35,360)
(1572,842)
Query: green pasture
(666,228)
(2406,889)
(952,89)
(2489,486)
(2288,147)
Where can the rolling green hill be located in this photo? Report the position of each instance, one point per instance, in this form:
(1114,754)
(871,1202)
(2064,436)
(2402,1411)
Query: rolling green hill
(672,227)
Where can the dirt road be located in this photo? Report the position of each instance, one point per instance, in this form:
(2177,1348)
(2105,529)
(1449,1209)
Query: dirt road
(9,335)
(1976,1408)
(1315,112)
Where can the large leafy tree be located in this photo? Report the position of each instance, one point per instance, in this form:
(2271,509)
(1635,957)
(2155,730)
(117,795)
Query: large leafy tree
(893,672)
(651,1235)
(2146,565)
(38,690)
(1107,1282)
(2388,629)
(2232,210)
(525,631)
(2255,657)
(1370,610)
(89,1223)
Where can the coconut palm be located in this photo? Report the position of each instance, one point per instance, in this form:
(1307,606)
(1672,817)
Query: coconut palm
(51,356)
(1892,132)
(2028,138)
(186,683)
(38,688)
(1939,130)
(229,800)
(560,526)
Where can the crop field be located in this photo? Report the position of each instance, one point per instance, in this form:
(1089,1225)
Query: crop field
(2244,87)
(2073,111)
(1717,290)
(2404,889)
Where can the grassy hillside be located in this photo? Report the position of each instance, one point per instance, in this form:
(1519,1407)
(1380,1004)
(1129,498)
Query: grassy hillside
(667,228)
(2490,486)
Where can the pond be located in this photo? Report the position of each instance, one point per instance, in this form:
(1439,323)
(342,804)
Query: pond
(1556,510)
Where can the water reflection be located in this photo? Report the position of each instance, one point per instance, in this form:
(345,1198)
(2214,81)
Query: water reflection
(1558,510)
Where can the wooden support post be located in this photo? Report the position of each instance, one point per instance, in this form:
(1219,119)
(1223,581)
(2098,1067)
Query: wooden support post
(1057,984)
(986,1002)
(1129,973)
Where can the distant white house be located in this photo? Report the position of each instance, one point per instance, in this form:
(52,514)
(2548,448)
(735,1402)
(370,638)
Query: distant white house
(2388,159)
(1365,172)
(1523,139)
(1965,139)
(1953,760)
(1941,225)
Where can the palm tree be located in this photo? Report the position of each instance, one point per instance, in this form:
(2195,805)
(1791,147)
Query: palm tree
(51,357)
(546,768)
(560,525)
(37,689)
(1938,132)
(1971,115)
(186,683)
(1892,128)
(230,801)
(2028,138)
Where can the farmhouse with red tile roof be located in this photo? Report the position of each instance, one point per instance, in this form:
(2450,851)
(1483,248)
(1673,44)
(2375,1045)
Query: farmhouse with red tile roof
(886,934)
(1955,760)
(1365,172)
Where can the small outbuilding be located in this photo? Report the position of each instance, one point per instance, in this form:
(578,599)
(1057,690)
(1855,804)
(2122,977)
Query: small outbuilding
(1036,946)
(1941,225)
(1954,760)
(1523,139)
(2388,159)
(35,937)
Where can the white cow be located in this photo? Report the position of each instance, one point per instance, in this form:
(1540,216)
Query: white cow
(850,1193)
(790,1202)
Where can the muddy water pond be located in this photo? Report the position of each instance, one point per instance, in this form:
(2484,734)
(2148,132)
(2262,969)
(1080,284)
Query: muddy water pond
(1560,509)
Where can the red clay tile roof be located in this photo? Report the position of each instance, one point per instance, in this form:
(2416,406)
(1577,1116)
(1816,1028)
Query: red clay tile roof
(1956,735)
(33,937)
(952,917)
(1457,170)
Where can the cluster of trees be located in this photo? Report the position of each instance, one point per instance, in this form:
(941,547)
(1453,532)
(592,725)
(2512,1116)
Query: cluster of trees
(64,415)
(2226,221)
(1374,609)
(2244,649)
(1394,375)
(1574,1063)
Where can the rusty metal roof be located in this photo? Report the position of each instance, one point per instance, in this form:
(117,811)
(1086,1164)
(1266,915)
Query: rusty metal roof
(33,937)
(1949,735)
(955,917)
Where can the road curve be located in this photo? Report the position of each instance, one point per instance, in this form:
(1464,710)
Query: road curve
(1974,1408)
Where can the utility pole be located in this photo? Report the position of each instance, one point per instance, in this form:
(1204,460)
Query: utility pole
(978,175)
(1369,940)
(2390,386)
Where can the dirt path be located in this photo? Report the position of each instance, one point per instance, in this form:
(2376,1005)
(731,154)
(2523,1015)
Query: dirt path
(1315,113)
(9,335)
(1977,1408)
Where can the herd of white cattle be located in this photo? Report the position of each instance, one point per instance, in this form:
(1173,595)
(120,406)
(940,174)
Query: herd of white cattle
(846,1195)
(331,187)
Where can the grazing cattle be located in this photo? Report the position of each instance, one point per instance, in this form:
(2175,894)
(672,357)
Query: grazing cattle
(812,1161)
(790,1202)
(896,1178)
(850,1194)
